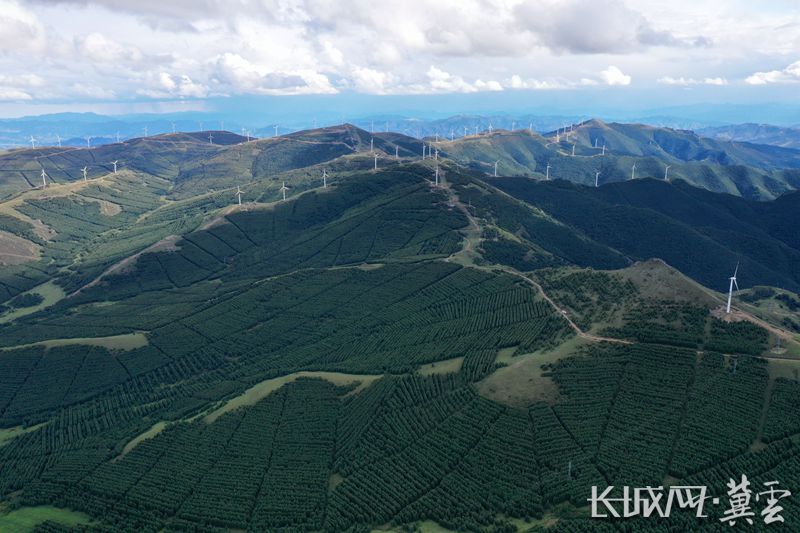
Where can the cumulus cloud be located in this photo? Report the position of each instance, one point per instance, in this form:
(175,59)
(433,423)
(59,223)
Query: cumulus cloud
(20,29)
(614,76)
(165,85)
(669,80)
(788,75)
(595,27)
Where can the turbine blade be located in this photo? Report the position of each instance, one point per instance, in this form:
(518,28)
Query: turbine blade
(737,269)
(737,285)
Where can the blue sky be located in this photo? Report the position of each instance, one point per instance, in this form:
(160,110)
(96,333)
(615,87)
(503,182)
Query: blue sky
(122,56)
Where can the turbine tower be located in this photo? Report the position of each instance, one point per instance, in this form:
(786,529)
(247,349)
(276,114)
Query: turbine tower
(276,130)
(85,170)
(58,138)
(397,152)
(239,194)
(324,179)
(495,168)
(547,172)
(437,175)
(283,189)
(33,142)
(88,142)
(465,131)
(490,128)
(604,149)
(666,171)
(371,145)
(573,150)
(210,139)
(633,172)
(44,179)
(597,179)
(59,141)
(145,131)
(115,166)
(376,162)
(730,289)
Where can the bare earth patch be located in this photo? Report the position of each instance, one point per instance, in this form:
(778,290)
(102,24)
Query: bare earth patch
(15,250)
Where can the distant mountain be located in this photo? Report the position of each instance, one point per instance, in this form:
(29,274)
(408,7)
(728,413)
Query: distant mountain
(749,170)
(755,133)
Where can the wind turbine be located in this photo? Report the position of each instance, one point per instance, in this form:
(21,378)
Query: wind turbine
(437,174)
(397,152)
(145,131)
(115,166)
(451,135)
(371,145)
(666,171)
(173,127)
(58,138)
(283,189)
(88,142)
(210,139)
(239,194)
(465,131)
(324,179)
(547,172)
(33,142)
(376,162)
(276,130)
(476,130)
(513,125)
(44,179)
(436,154)
(84,170)
(633,172)
(558,136)
(117,139)
(597,179)
(423,151)
(573,150)
(730,289)
(604,149)
(495,168)
(490,128)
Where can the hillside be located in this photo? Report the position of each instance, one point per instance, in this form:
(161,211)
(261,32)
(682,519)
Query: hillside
(379,350)
(748,170)
(755,133)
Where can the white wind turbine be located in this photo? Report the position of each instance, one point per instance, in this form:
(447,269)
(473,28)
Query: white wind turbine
(44,179)
(597,179)
(604,149)
(476,130)
(276,130)
(573,150)
(115,166)
(397,152)
(173,127)
(513,125)
(437,175)
(465,131)
(436,154)
(730,289)
(371,145)
(145,131)
(324,179)
(283,189)
(490,128)
(376,162)
(547,172)
(85,170)
(239,194)
(33,142)
(117,139)
(666,172)
(210,139)
(58,139)
(633,172)
(495,168)
(423,151)
(88,142)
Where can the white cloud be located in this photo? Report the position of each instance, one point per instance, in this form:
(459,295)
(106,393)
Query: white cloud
(668,80)
(98,48)
(11,94)
(614,76)
(787,75)
(20,29)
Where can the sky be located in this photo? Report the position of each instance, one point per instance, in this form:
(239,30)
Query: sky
(152,56)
